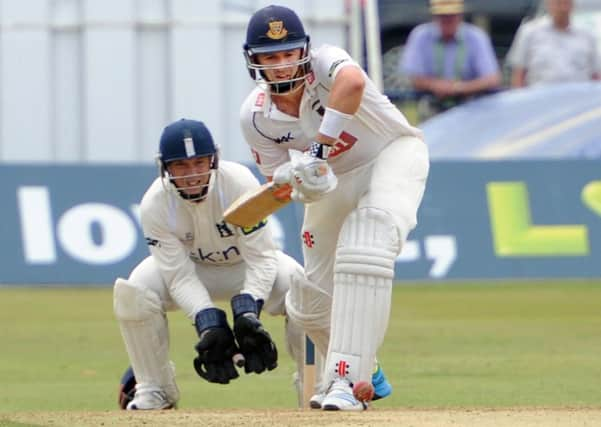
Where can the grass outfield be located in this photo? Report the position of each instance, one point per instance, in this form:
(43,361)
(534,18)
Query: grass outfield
(478,345)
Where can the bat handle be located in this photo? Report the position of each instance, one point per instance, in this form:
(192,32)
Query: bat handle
(238,360)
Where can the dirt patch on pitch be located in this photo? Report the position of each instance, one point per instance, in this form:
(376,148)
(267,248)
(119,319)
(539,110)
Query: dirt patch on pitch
(373,417)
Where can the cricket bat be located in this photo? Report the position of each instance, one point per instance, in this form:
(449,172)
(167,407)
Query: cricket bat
(254,206)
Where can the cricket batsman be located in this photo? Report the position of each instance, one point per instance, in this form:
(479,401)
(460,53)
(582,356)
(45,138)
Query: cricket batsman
(316,122)
(195,259)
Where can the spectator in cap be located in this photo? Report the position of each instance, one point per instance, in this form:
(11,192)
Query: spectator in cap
(449,60)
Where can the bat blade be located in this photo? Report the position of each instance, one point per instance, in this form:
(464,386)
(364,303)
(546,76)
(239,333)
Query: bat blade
(254,206)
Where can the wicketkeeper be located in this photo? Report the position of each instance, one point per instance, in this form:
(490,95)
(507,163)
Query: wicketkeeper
(195,259)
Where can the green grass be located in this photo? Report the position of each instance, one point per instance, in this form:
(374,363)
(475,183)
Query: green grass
(451,345)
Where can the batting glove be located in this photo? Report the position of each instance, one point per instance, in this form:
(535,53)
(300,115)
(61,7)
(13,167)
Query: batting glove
(310,177)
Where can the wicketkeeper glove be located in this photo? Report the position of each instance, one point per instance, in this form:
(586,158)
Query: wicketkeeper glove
(255,343)
(215,348)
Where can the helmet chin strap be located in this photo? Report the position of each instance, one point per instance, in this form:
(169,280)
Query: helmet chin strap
(196,198)
(285,88)
(281,87)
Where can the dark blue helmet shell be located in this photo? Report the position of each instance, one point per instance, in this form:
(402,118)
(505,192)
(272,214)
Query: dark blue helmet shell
(186,139)
(273,29)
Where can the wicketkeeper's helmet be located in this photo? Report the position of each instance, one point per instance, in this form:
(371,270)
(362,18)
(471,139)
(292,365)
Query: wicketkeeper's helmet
(127,388)
(186,139)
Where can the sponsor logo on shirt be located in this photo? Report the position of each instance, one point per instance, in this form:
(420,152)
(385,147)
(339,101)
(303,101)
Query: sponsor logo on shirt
(345,142)
(215,257)
(249,230)
(284,138)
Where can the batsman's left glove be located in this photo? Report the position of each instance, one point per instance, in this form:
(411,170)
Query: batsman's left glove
(254,341)
(310,177)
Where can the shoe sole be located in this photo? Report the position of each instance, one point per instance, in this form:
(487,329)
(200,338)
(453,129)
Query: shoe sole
(134,408)
(336,408)
(315,405)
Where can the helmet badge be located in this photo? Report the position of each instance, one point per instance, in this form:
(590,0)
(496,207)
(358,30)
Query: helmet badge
(276,30)
(189,146)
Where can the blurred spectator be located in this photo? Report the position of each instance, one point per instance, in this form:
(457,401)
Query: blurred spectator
(549,50)
(448,59)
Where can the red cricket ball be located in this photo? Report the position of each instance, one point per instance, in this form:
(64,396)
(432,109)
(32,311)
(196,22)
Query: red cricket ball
(363,391)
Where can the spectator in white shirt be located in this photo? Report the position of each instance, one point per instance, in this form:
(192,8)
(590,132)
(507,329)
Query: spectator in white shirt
(550,50)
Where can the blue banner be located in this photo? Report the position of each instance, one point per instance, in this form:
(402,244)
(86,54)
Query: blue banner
(527,219)
(520,219)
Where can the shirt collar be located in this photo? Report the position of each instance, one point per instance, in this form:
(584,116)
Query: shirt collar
(456,38)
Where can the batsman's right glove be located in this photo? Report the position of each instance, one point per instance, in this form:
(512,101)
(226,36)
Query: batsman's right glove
(215,348)
(255,343)
(310,177)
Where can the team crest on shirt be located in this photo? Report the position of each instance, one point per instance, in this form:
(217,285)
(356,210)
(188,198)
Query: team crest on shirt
(224,230)
(277,31)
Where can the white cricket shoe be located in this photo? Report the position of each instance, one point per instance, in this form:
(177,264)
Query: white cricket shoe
(339,397)
(317,400)
(149,399)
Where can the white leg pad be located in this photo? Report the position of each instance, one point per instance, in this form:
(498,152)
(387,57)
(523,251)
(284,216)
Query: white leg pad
(294,345)
(144,328)
(363,272)
(309,307)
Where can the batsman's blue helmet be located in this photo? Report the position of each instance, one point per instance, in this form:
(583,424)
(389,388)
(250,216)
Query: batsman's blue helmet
(275,29)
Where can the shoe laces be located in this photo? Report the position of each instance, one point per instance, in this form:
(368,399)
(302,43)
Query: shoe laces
(341,385)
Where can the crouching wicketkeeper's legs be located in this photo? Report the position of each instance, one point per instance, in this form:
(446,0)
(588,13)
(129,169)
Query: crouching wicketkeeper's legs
(289,274)
(143,323)
(309,307)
